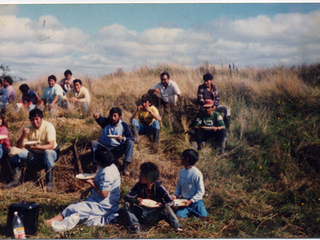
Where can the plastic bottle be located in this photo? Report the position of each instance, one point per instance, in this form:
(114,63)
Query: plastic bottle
(18,228)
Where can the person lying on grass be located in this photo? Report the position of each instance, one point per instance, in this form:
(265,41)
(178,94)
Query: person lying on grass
(190,187)
(102,206)
(149,188)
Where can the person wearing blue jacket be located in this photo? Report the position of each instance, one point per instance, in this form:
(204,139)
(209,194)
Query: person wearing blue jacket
(116,136)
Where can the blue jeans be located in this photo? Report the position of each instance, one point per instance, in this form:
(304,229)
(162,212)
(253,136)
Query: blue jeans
(3,152)
(197,208)
(134,213)
(117,151)
(38,160)
(146,129)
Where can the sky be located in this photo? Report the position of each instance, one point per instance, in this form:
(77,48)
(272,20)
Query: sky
(96,39)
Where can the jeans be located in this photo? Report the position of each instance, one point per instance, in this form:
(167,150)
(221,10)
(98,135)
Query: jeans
(136,213)
(38,160)
(3,152)
(146,129)
(117,151)
(197,208)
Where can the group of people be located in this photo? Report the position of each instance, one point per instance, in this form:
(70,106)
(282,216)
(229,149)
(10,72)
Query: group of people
(68,93)
(103,205)
(115,141)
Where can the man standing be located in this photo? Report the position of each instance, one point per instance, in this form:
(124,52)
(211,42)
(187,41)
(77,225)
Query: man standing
(7,83)
(52,94)
(209,91)
(78,95)
(39,155)
(146,120)
(209,125)
(3,96)
(116,136)
(168,90)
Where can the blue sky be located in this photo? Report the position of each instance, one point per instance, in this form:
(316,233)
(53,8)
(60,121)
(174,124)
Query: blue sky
(96,39)
(140,17)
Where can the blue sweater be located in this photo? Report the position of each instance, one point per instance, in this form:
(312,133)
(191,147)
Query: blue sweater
(108,128)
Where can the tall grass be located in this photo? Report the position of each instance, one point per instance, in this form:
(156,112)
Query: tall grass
(265,185)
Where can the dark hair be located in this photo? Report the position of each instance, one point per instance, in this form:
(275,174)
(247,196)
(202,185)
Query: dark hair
(207,76)
(1,82)
(36,112)
(115,110)
(146,97)
(77,80)
(164,73)
(192,155)
(24,88)
(104,157)
(67,72)
(150,171)
(8,79)
(4,123)
(52,77)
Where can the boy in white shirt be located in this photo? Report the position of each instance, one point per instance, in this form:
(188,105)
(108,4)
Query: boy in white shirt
(190,187)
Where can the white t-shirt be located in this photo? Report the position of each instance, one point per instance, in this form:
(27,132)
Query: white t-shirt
(169,94)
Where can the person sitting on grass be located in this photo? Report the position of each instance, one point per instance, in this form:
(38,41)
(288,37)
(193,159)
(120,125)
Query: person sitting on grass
(42,153)
(4,142)
(29,98)
(149,188)
(209,91)
(52,94)
(78,95)
(190,187)
(4,100)
(102,206)
(66,82)
(209,126)
(116,136)
(7,83)
(146,120)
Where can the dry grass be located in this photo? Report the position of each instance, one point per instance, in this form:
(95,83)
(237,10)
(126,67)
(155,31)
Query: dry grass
(246,189)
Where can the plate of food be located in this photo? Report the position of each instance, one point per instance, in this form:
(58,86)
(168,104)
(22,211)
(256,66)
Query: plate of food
(30,142)
(3,137)
(113,136)
(179,202)
(84,176)
(149,203)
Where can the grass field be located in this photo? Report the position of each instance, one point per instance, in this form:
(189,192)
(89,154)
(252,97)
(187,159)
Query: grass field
(265,185)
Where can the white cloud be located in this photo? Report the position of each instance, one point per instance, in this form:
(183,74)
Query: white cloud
(45,45)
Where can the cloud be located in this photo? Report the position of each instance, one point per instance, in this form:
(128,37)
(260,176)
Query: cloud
(44,46)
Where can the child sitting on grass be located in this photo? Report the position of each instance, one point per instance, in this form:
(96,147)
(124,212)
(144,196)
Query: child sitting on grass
(149,188)
(102,206)
(190,186)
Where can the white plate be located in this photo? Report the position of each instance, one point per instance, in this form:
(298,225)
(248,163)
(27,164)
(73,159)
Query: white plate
(179,202)
(84,176)
(3,137)
(113,136)
(30,142)
(149,203)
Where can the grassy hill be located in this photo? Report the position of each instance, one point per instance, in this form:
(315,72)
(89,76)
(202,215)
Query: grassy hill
(265,185)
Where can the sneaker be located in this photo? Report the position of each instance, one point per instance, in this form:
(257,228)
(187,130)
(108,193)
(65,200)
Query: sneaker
(179,229)
(136,229)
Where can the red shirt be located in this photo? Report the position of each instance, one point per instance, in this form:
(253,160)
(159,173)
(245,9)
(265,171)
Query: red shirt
(5,142)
